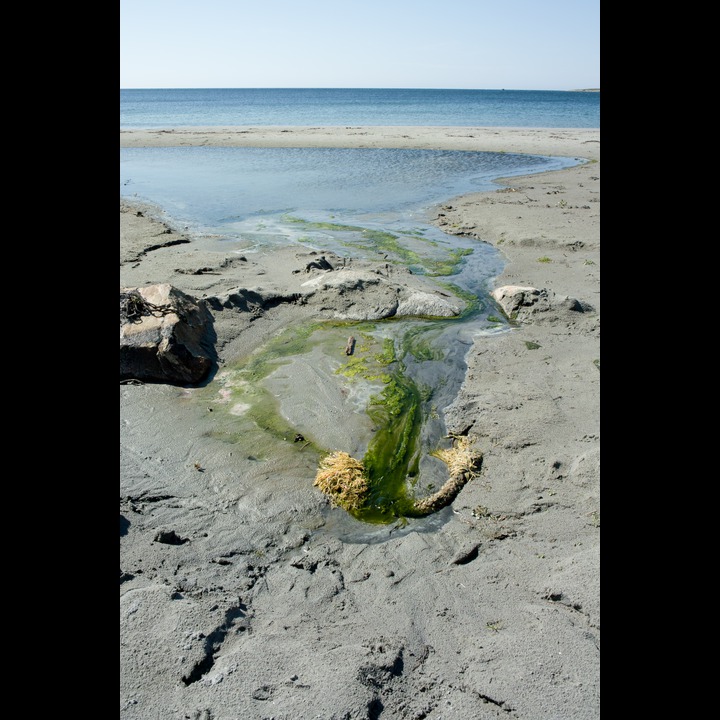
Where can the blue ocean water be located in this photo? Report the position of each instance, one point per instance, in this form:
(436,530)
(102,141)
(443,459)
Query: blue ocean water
(168,108)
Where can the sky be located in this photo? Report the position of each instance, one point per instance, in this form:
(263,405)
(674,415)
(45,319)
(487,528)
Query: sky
(467,44)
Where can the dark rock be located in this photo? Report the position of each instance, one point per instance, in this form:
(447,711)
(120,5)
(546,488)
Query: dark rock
(165,335)
(169,537)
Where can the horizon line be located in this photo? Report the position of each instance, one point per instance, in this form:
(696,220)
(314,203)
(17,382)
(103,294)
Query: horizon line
(214,87)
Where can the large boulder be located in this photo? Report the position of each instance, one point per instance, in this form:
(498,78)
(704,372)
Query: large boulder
(165,335)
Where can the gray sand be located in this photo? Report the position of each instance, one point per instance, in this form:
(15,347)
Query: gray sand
(244,595)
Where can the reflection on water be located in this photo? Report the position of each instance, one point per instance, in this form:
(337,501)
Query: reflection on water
(355,202)
(212,188)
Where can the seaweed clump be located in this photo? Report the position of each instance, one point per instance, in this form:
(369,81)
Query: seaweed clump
(460,458)
(464,465)
(342,478)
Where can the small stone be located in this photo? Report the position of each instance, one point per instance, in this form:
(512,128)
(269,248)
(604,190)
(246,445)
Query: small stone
(263,693)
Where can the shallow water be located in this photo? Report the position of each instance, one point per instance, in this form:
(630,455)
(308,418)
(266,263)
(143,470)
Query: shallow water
(215,188)
(356,202)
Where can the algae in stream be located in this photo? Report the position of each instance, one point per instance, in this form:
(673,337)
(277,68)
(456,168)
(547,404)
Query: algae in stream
(391,462)
(392,246)
(392,458)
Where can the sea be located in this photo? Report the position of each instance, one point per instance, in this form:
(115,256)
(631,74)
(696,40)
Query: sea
(168,108)
(334,199)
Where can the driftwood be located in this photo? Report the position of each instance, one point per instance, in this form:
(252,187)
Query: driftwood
(350,347)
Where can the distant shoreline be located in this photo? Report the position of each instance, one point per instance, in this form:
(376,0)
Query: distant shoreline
(568,142)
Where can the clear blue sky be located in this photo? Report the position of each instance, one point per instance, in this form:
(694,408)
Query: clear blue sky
(481,44)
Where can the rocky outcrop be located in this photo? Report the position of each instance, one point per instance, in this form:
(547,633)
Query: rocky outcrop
(165,335)
(368,295)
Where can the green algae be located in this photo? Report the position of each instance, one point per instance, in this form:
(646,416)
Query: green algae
(379,240)
(369,360)
(392,455)
(450,265)
(387,355)
(397,410)
(416,342)
(473,304)
(292,341)
(241,385)
(389,245)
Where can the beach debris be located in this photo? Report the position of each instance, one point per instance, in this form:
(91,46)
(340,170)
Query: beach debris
(134,306)
(350,347)
(342,478)
(460,458)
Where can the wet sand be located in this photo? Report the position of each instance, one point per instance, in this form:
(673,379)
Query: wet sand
(267,609)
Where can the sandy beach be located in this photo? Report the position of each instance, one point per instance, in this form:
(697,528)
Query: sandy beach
(266,602)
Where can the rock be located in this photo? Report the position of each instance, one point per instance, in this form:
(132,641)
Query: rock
(343,281)
(352,294)
(513,297)
(426,304)
(368,295)
(520,302)
(165,335)
(320,264)
(169,537)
